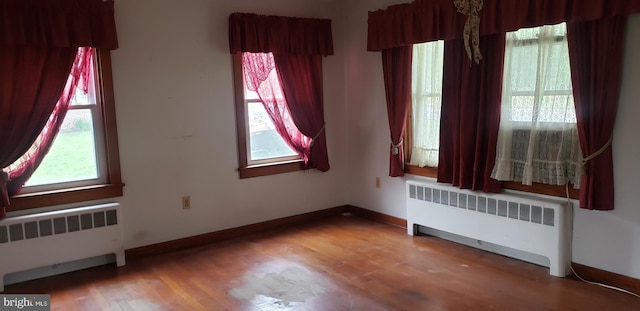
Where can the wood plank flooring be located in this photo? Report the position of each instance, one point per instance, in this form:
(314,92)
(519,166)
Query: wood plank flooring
(340,263)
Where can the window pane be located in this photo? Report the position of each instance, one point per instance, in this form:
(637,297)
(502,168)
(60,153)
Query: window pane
(72,156)
(426,76)
(537,76)
(265,142)
(537,140)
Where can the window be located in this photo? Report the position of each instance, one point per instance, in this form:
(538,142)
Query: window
(261,149)
(534,97)
(538,137)
(74,158)
(294,101)
(426,99)
(265,145)
(83,161)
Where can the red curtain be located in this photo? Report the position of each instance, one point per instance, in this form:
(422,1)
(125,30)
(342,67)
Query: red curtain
(31,81)
(396,67)
(429,20)
(25,166)
(596,55)
(470,115)
(260,76)
(59,23)
(279,35)
(303,86)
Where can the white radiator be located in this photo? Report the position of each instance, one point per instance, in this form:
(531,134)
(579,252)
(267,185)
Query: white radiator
(49,238)
(525,223)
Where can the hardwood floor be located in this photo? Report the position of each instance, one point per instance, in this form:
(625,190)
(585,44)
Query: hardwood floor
(340,263)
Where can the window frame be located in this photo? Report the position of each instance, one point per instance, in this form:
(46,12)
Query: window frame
(245,169)
(109,136)
(537,188)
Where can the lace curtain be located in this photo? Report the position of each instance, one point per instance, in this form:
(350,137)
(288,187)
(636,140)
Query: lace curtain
(426,100)
(538,139)
(261,76)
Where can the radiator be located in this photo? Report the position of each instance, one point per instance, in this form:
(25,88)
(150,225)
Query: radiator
(49,238)
(525,223)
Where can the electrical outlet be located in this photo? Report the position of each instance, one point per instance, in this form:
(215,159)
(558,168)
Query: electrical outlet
(377,182)
(186,202)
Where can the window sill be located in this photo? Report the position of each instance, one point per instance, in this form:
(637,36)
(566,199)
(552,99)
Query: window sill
(556,191)
(421,171)
(271,169)
(64,196)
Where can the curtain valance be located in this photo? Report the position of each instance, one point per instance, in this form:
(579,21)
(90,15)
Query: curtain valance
(279,35)
(429,20)
(59,23)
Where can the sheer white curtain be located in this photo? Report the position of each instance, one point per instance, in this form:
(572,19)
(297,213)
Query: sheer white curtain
(428,60)
(538,140)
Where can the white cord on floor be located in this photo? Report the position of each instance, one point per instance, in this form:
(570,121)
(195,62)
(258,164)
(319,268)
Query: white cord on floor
(574,271)
(604,285)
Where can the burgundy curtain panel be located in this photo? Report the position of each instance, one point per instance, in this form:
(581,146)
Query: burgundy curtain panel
(34,78)
(303,87)
(30,160)
(297,45)
(38,43)
(470,115)
(59,23)
(279,35)
(596,54)
(396,67)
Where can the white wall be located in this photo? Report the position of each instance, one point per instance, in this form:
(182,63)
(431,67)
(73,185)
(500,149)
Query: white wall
(369,136)
(604,240)
(176,122)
